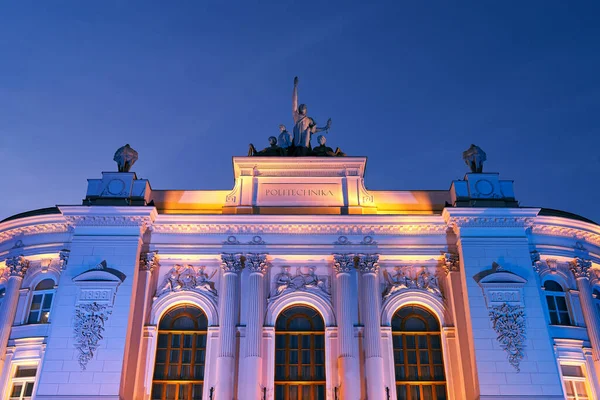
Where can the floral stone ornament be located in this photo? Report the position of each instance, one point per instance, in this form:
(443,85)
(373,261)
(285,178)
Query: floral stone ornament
(509,323)
(89,327)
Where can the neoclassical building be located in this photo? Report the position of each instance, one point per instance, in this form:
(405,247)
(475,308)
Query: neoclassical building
(299,283)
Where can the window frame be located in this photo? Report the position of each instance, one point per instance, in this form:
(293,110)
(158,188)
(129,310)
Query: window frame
(44,293)
(312,334)
(565,379)
(553,294)
(23,380)
(195,333)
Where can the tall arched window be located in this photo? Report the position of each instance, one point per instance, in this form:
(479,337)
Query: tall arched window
(41,302)
(418,355)
(299,355)
(180,355)
(557,303)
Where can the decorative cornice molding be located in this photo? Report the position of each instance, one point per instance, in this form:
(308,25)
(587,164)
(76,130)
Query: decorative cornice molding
(343,263)
(29,230)
(581,268)
(302,229)
(17,266)
(455,223)
(149,260)
(143,221)
(231,262)
(568,232)
(450,263)
(256,263)
(368,263)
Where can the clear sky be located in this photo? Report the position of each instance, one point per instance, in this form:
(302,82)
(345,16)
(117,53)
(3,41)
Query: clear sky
(410,84)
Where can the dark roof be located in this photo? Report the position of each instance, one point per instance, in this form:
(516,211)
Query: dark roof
(41,211)
(550,212)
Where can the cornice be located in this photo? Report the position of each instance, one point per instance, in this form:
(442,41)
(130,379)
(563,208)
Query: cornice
(35,225)
(127,216)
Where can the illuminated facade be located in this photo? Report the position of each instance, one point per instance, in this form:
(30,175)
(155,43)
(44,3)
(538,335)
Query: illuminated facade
(299,284)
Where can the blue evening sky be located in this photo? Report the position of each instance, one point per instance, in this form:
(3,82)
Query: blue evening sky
(410,84)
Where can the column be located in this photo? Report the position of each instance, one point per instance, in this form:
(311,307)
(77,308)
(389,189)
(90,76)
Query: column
(581,271)
(148,262)
(17,268)
(228,303)
(348,367)
(369,269)
(252,359)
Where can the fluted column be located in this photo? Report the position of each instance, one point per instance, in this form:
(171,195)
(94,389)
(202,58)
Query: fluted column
(231,266)
(252,361)
(148,262)
(369,269)
(348,367)
(581,271)
(17,268)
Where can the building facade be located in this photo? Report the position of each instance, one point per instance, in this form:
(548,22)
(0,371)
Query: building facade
(299,284)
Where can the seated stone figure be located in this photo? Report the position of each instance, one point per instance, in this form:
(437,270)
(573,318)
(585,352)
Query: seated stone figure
(324,151)
(272,150)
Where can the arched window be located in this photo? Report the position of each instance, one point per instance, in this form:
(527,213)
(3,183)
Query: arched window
(557,303)
(180,355)
(299,355)
(418,355)
(41,302)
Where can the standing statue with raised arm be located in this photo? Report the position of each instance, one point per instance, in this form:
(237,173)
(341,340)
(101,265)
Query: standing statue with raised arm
(304,126)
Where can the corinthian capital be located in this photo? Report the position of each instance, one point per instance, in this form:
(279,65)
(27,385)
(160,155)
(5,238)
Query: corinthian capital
(231,262)
(256,262)
(451,263)
(149,261)
(17,266)
(368,263)
(581,268)
(343,263)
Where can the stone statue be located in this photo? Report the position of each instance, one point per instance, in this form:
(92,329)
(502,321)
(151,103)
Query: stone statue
(323,151)
(304,126)
(286,282)
(283,281)
(272,150)
(474,158)
(125,157)
(285,138)
(203,281)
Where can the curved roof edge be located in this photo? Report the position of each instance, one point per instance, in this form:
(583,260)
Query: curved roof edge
(550,212)
(33,213)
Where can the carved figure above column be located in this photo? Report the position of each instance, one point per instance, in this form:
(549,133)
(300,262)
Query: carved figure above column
(450,263)
(63,258)
(343,263)
(231,262)
(256,262)
(408,277)
(581,268)
(368,263)
(149,260)
(187,278)
(286,282)
(17,266)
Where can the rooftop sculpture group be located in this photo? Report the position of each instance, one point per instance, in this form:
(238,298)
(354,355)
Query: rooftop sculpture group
(299,144)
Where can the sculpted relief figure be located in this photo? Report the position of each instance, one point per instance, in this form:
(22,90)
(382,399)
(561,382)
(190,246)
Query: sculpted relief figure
(203,281)
(474,158)
(402,280)
(187,278)
(304,126)
(286,282)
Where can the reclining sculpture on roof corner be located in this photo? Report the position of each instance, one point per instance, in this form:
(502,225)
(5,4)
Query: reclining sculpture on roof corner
(298,145)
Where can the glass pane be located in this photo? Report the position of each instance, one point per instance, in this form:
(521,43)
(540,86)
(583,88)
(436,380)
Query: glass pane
(320,357)
(415,393)
(570,388)
(412,357)
(183,392)
(320,373)
(437,357)
(157,391)
(174,357)
(33,317)
(427,393)
(319,341)
(175,341)
(580,388)
(293,373)
(185,372)
(47,301)
(161,356)
(199,372)
(413,373)
(306,375)
(401,392)
(173,372)
(279,392)
(410,342)
(425,373)
(554,318)
(306,342)
(320,392)
(200,356)
(435,342)
(187,341)
(163,340)
(424,357)
(294,341)
(438,373)
(571,370)
(305,356)
(422,342)
(280,357)
(16,391)
(280,341)
(197,392)
(564,318)
(36,302)
(186,356)
(293,392)
(293,356)
(440,391)
(171,392)
(306,392)
(201,341)
(414,324)
(551,303)
(561,303)
(159,371)
(25,372)
(279,372)
(44,317)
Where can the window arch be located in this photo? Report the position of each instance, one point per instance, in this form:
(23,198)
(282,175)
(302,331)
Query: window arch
(41,302)
(557,303)
(300,354)
(418,359)
(180,354)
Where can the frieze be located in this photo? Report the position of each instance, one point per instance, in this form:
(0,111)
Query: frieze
(411,278)
(187,278)
(302,229)
(286,282)
(109,220)
(456,223)
(34,230)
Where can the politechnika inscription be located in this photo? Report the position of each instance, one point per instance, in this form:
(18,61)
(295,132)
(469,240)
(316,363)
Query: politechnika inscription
(301,192)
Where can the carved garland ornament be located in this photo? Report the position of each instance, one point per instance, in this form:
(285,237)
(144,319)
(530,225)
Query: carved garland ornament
(89,326)
(509,324)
